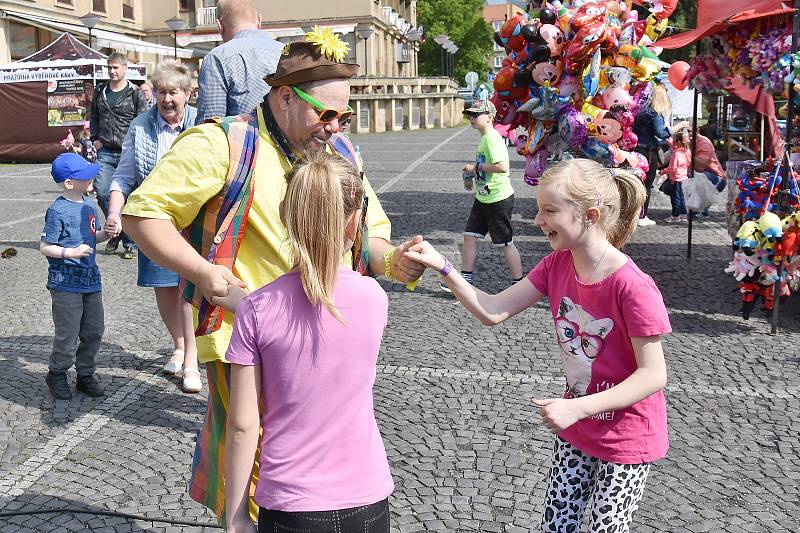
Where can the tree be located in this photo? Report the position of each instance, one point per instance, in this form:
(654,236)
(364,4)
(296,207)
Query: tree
(684,18)
(462,21)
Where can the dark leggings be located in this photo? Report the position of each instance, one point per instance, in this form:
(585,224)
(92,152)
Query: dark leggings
(372,518)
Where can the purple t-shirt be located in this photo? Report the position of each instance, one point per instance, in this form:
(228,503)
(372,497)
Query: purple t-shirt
(594,325)
(321,449)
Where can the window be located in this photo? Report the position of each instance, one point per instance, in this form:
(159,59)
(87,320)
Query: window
(70,3)
(186,5)
(498,62)
(99,6)
(127,9)
(497,24)
(23,40)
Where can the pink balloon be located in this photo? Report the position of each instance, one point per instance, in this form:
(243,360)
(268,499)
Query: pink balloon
(678,75)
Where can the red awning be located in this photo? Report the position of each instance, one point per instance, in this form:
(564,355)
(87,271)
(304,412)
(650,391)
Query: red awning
(714,15)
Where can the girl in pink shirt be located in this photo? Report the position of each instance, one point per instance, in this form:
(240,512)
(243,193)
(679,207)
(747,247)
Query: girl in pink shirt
(303,354)
(611,421)
(678,171)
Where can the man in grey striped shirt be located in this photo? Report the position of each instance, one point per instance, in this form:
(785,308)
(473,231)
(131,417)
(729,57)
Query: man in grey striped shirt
(232,75)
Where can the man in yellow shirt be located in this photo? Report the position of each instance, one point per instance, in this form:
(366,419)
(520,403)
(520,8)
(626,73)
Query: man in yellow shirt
(308,103)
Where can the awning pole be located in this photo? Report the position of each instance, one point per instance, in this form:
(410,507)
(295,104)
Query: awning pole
(780,204)
(694,152)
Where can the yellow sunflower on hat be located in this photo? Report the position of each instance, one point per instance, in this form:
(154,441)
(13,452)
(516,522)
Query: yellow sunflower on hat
(329,43)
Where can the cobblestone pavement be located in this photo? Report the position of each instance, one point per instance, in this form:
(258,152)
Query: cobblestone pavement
(453,398)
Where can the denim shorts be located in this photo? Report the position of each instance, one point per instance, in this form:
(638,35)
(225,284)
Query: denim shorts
(153,275)
(372,518)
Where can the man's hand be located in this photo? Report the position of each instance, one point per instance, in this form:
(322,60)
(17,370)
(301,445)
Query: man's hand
(113,225)
(469,168)
(404,268)
(425,254)
(214,281)
(97,144)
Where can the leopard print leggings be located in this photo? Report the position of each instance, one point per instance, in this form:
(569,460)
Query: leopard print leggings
(575,478)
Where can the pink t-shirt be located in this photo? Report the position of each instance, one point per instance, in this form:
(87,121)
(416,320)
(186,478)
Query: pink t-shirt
(321,449)
(594,325)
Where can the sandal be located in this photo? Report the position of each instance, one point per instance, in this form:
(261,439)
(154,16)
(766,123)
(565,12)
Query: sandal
(173,366)
(191,379)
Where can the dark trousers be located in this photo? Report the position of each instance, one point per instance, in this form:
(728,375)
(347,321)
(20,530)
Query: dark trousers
(366,519)
(650,177)
(676,199)
(76,316)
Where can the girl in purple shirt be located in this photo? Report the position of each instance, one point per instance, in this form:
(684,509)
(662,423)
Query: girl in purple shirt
(303,354)
(611,421)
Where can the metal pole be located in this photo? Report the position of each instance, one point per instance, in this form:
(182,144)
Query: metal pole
(787,175)
(691,166)
(175,44)
(90,37)
(443,72)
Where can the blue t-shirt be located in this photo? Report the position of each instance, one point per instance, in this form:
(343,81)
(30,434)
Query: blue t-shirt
(70,224)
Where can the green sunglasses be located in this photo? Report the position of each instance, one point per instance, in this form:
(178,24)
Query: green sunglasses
(326,114)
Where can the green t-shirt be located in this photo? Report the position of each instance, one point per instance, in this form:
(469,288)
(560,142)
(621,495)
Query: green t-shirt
(113,96)
(491,187)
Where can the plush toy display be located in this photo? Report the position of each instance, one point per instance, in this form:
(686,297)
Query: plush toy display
(765,244)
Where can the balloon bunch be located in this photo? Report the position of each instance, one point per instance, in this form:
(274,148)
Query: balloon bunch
(575,76)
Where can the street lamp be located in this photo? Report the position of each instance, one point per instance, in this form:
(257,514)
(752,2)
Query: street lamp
(443,41)
(365,32)
(451,50)
(175,24)
(89,20)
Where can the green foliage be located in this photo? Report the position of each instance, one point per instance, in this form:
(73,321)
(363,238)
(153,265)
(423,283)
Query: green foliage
(462,21)
(684,18)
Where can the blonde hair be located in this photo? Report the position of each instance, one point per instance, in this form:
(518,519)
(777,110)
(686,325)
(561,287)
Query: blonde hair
(322,191)
(172,74)
(618,194)
(661,103)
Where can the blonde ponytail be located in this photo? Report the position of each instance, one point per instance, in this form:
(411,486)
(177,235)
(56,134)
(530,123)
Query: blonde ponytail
(632,195)
(322,191)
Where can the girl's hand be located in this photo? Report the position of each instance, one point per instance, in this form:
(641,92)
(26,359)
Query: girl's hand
(559,413)
(426,254)
(232,300)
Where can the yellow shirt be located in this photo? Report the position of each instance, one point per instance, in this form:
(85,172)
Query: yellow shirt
(193,171)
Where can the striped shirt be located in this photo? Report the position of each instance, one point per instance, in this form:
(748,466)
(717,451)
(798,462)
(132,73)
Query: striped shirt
(232,75)
(125,176)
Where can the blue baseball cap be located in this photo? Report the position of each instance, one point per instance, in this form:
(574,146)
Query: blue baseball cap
(71,166)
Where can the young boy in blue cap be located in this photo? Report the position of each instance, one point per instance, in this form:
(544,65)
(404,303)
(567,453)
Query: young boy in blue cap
(68,241)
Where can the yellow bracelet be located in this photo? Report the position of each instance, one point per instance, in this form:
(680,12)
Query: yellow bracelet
(387,269)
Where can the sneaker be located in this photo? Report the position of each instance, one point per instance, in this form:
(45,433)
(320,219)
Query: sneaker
(644,221)
(672,219)
(682,218)
(112,245)
(58,386)
(129,253)
(444,287)
(89,385)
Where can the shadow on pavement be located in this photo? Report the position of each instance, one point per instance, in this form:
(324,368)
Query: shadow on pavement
(25,386)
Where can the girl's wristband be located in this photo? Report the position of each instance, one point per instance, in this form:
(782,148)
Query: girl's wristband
(447,268)
(63,253)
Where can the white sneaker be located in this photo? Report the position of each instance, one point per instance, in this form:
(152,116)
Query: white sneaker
(644,221)
(191,379)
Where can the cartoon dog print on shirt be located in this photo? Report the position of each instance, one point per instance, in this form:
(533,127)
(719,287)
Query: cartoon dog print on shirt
(581,338)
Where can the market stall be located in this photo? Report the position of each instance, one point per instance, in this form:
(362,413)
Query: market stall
(46,94)
(748,49)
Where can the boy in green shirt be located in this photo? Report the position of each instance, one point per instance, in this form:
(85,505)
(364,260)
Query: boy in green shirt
(494,195)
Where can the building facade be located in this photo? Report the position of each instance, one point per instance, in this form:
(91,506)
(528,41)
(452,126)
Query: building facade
(383,36)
